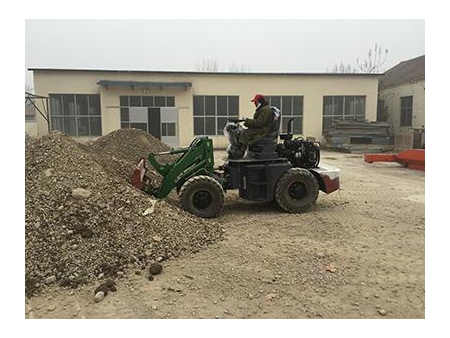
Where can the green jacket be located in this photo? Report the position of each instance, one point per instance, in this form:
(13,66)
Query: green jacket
(258,127)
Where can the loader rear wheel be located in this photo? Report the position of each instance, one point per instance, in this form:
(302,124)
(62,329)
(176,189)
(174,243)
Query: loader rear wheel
(296,190)
(202,196)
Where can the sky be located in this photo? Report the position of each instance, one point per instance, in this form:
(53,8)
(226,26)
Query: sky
(279,45)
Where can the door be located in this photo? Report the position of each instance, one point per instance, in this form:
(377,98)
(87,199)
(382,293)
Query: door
(169,126)
(154,121)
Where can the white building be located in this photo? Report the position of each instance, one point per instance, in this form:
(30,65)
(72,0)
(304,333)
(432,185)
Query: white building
(176,106)
(402,98)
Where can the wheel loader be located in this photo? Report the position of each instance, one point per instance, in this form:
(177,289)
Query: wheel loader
(289,173)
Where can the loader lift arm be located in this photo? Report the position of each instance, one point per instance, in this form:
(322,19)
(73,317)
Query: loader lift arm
(197,159)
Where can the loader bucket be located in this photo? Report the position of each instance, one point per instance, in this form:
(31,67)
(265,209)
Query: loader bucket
(137,179)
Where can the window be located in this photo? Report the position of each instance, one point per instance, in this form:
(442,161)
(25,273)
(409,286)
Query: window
(406,111)
(141,101)
(291,107)
(342,108)
(168,129)
(76,114)
(212,112)
(147,101)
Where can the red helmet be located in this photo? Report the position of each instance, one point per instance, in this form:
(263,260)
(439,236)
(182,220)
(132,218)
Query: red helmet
(258,97)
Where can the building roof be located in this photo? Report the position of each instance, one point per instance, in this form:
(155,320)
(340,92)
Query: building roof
(408,71)
(196,73)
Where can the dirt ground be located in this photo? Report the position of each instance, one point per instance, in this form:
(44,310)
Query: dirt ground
(357,253)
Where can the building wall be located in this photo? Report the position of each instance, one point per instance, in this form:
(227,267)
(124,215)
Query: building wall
(31,128)
(311,87)
(392,96)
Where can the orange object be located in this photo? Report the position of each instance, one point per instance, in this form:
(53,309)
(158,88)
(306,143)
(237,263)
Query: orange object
(412,159)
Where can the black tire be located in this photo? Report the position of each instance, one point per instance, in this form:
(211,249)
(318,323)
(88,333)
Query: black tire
(202,196)
(296,190)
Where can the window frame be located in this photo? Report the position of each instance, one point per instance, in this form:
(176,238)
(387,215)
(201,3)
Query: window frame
(201,113)
(283,105)
(74,114)
(344,115)
(125,101)
(125,105)
(406,112)
(165,129)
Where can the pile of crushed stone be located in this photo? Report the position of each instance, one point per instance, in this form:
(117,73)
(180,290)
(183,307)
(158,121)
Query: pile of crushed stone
(84,222)
(119,151)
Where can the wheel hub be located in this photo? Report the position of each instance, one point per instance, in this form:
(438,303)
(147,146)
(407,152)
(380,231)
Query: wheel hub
(297,190)
(202,199)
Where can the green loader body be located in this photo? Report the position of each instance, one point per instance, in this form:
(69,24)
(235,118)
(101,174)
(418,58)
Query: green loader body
(197,159)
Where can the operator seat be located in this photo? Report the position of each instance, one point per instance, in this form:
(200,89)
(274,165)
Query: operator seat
(266,148)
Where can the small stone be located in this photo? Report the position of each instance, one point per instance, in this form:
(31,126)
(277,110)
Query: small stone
(250,296)
(87,233)
(382,312)
(101,275)
(154,307)
(48,172)
(51,308)
(157,238)
(80,193)
(151,209)
(331,268)
(119,273)
(74,246)
(111,285)
(270,296)
(150,277)
(376,295)
(50,280)
(363,284)
(155,269)
(99,296)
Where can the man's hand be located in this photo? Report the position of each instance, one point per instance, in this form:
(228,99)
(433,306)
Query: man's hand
(236,120)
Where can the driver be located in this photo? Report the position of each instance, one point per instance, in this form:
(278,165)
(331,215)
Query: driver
(260,125)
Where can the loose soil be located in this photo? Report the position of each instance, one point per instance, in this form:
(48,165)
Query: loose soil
(357,253)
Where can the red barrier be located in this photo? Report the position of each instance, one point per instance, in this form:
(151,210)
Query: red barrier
(412,159)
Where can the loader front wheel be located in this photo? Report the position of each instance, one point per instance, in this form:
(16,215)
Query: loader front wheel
(296,190)
(202,196)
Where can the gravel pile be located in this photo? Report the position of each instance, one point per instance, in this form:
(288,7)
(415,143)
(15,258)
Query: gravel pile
(84,222)
(120,151)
